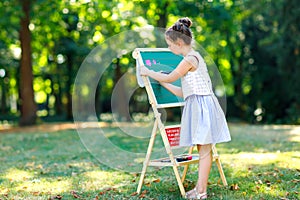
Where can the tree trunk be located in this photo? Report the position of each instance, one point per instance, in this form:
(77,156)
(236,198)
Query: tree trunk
(98,102)
(3,96)
(69,86)
(163,15)
(28,106)
(120,103)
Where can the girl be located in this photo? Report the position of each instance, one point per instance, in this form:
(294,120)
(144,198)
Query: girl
(203,122)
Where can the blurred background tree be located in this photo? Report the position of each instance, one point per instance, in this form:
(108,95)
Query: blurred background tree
(255,45)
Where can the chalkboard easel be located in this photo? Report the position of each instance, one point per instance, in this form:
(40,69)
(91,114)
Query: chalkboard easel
(162,59)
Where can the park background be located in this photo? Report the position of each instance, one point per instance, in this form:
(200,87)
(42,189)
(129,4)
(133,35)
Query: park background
(43,43)
(255,45)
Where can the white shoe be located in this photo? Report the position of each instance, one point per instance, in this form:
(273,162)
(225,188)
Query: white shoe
(196,195)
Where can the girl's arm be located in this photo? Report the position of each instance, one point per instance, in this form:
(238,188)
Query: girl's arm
(172,88)
(184,66)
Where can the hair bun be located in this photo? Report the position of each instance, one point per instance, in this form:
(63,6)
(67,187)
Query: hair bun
(186,21)
(181,30)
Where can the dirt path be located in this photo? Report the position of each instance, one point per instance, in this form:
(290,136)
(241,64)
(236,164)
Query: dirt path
(49,127)
(58,126)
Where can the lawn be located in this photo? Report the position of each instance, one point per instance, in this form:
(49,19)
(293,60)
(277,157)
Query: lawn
(261,162)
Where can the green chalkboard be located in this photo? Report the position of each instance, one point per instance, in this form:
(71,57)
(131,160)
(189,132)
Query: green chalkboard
(162,61)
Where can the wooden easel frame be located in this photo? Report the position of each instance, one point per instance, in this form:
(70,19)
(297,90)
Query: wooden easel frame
(158,125)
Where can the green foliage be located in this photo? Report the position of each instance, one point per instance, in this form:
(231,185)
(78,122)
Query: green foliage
(254,45)
(273,61)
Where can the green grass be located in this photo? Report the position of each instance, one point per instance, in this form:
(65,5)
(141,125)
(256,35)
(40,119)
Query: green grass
(261,162)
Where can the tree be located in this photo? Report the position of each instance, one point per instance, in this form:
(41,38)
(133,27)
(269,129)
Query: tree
(28,106)
(273,49)
(252,43)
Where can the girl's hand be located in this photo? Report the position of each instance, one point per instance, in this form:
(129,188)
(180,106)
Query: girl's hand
(144,71)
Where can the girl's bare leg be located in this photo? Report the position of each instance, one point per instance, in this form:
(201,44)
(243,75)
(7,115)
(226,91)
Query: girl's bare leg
(205,162)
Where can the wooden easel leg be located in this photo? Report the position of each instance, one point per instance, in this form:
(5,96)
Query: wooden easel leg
(221,172)
(148,155)
(180,184)
(219,165)
(186,167)
(169,151)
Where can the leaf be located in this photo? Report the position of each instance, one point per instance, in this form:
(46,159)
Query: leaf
(156,180)
(148,184)
(268,183)
(39,166)
(133,194)
(143,194)
(56,197)
(36,193)
(287,194)
(75,195)
(108,189)
(234,187)
(135,174)
(185,185)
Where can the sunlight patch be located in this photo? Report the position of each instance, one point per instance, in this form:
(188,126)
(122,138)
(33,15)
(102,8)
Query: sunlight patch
(17,175)
(284,160)
(295,132)
(54,187)
(104,175)
(258,157)
(101,175)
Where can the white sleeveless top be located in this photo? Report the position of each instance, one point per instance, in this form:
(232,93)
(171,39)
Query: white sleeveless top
(197,82)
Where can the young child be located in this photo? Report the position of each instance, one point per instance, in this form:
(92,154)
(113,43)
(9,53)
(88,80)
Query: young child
(203,122)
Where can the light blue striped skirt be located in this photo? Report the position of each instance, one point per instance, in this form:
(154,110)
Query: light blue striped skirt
(203,121)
